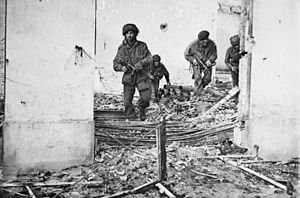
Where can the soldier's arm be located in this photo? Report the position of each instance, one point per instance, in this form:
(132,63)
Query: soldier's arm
(166,73)
(188,55)
(118,61)
(213,57)
(227,59)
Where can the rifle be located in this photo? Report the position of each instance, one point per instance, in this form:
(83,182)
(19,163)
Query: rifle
(198,89)
(127,65)
(200,62)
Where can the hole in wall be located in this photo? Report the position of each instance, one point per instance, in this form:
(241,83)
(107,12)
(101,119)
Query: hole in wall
(164,27)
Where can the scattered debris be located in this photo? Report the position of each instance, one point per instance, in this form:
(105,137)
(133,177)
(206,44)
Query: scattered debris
(199,132)
(164,190)
(204,174)
(139,189)
(258,175)
(30,192)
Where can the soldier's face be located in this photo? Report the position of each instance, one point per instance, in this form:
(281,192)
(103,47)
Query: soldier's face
(203,43)
(130,36)
(156,63)
(236,47)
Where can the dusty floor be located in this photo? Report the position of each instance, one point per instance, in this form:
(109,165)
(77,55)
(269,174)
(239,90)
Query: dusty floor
(191,172)
(131,169)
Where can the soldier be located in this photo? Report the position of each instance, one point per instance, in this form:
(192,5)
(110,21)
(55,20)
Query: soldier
(232,59)
(202,55)
(157,71)
(133,58)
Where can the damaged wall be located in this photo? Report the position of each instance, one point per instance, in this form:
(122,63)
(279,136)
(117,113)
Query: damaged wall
(274,114)
(49,99)
(184,20)
(228,25)
(2,46)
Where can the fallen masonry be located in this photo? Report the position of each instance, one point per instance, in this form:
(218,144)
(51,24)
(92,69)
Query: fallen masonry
(196,156)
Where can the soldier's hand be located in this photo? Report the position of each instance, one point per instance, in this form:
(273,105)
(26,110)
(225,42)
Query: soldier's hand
(168,83)
(138,66)
(243,53)
(195,62)
(152,77)
(124,69)
(208,63)
(234,69)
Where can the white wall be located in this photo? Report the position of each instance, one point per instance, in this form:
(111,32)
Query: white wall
(49,99)
(185,20)
(2,46)
(227,26)
(274,119)
(41,39)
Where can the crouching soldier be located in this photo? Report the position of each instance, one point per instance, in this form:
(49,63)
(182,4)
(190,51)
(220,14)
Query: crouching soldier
(134,59)
(157,71)
(202,55)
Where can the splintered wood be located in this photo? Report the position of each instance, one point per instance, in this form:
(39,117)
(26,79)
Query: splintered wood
(138,189)
(161,150)
(230,94)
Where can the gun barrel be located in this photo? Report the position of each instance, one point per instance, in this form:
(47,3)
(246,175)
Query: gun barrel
(180,87)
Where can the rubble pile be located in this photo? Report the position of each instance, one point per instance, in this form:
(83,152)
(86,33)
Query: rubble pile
(183,111)
(174,101)
(191,172)
(202,160)
(104,101)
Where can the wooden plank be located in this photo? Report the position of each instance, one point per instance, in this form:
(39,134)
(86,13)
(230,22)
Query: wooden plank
(226,156)
(53,184)
(230,94)
(259,162)
(204,174)
(13,193)
(279,185)
(261,176)
(161,149)
(133,191)
(30,192)
(164,190)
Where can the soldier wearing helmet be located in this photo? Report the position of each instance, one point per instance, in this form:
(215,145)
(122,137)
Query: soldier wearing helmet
(133,59)
(232,58)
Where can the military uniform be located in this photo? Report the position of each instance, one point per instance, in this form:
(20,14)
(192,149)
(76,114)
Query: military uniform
(232,59)
(136,53)
(156,74)
(198,52)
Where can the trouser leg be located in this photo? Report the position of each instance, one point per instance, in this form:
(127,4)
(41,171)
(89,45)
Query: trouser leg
(144,101)
(235,78)
(128,97)
(207,77)
(199,81)
(156,85)
(197,78)
(235,82)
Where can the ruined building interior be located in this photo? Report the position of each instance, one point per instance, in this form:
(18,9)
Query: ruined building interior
(64,132)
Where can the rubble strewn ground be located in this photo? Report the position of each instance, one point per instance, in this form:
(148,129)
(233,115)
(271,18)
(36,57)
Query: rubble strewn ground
(191,171)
